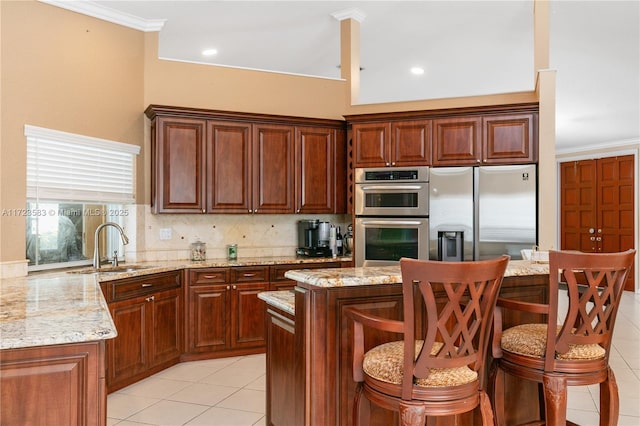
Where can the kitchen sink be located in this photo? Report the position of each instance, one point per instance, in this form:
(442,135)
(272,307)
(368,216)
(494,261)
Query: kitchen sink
(111,269)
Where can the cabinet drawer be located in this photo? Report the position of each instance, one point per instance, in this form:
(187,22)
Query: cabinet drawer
(133,287)
(250,274)
(208,276)
(277,271)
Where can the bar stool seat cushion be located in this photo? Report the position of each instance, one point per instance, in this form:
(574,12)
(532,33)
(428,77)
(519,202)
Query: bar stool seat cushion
(385,363)
(531,340)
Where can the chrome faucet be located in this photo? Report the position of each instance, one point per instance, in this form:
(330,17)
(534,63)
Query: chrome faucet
(96,254)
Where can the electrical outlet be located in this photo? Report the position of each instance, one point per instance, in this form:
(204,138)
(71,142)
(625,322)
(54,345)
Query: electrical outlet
(165,233)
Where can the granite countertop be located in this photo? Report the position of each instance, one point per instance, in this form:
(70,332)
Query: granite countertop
(389,274)
(285,300)
(50,308)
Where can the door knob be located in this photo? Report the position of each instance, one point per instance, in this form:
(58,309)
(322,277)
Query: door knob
(591,230)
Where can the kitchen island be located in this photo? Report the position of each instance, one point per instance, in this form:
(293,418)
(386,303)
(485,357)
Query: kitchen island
(309,353)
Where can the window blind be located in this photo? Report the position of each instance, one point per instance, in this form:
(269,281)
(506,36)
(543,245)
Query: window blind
(71,167)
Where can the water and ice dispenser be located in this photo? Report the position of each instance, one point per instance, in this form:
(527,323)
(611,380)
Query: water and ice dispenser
(451,246)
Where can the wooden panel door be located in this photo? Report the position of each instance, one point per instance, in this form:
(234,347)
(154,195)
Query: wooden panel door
(457,141)
(371,145)
(411,143)
(597,206)
(509,139)
(209,318)
(167,327)
(273,177)
(249,315)
(228,167)
(129,353)
(578,207)
(60,385)
(178,166)
(315,170)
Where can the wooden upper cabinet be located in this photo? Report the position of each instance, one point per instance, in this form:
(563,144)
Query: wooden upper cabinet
(229,167)
(371,144)
(489,139)
(509,139)
(457,141)
(273,177)
(392,144)
(320,178)
(178,177)
(411,143)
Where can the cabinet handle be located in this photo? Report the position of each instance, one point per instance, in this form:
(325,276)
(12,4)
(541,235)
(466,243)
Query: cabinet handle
(228,287)
(235,287)
(249,274)
(146,285)
(210,276)
(150,299)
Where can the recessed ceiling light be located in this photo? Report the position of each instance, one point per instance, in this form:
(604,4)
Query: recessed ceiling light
(417,70)
(209,52)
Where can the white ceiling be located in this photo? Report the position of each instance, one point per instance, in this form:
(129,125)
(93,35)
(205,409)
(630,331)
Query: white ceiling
(466,47)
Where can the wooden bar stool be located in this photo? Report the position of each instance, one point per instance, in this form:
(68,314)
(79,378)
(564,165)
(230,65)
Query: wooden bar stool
(565,351)
(440,372)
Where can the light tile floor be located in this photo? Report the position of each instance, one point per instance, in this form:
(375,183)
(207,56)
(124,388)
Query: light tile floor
(231,391)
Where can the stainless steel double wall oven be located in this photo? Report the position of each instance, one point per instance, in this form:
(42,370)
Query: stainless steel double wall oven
(392,215)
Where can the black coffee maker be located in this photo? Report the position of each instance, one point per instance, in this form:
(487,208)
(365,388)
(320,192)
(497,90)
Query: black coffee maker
(309,242)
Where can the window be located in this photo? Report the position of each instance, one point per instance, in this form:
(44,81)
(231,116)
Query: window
(74,184)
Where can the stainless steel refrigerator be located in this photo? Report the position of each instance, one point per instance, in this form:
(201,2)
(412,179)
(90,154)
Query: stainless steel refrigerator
(482,212)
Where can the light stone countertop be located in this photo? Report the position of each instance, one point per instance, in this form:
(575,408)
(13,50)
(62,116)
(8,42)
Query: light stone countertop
(389,274)
(285,300)
(51,308)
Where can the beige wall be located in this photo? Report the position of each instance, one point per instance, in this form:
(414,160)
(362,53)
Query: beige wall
(68,72)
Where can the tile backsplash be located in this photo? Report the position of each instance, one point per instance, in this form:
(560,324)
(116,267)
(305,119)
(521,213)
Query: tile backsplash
(256,235)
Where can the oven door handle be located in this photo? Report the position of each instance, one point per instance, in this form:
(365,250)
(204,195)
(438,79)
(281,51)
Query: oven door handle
(391,222)
(391,187)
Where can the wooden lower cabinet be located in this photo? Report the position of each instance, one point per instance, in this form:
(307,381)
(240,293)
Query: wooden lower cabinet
(225,316)
(62,385)
(149,324)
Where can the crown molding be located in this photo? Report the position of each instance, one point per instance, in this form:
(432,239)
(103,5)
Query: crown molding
(633,144)
(95,10)
(350,13)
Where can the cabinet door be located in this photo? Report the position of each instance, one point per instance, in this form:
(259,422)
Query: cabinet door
(178,166)
(457,141)
(53,385)
(273,178)
(371,145)
(315,170)
(228,167)
(249,315)
(509,139)
(209,318)
(411,143)
(129,353)
(167,326)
